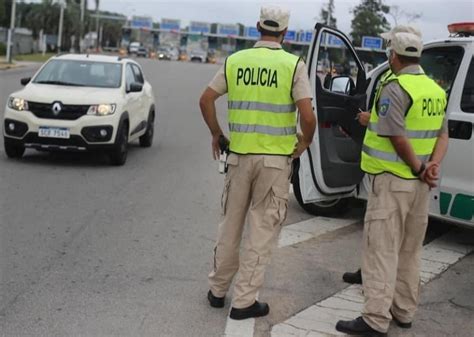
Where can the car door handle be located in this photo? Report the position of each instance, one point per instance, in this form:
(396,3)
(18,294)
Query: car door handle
(460,129)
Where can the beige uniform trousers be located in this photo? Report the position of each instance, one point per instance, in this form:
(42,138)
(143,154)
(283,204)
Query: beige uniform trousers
(394,230)
(257,185)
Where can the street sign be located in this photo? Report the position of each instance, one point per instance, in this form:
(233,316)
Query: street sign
(199,27)
(225,29)
(308,36)
(170,24)
(141,22)
(333,40)
(290,35)
(372,42)
(252,32)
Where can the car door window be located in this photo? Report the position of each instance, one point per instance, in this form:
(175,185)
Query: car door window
(336,66)
(129,76)
(138,74)
(441,64)
(467,98)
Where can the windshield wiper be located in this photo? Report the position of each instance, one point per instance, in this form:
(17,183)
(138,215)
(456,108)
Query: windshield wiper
(61,83)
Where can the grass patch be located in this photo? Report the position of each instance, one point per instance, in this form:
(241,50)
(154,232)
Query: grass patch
(34,57)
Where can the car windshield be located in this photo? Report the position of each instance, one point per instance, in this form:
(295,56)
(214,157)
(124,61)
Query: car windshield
(81,73)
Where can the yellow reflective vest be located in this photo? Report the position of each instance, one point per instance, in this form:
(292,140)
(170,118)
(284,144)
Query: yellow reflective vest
(423,121)
(262,113)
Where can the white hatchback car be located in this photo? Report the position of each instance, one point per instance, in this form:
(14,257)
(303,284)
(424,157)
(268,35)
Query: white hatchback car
(81,103)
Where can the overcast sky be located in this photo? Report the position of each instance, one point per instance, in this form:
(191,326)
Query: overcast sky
(436,14)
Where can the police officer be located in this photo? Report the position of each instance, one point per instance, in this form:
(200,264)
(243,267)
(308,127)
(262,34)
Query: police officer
(405,142)
(265,87)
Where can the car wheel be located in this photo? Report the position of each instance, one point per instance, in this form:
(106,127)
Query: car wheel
(322,208)
(147,139)
(13,149)
(118,156)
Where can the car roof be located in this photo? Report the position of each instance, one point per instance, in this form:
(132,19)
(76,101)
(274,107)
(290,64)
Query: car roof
(463,40)
(92,58)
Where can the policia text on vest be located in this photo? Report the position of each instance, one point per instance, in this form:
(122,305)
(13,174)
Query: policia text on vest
(257,76)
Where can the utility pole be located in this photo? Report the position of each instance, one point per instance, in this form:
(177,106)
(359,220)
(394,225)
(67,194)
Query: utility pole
(81,29)
(61,20)
(11,32)
(97,24)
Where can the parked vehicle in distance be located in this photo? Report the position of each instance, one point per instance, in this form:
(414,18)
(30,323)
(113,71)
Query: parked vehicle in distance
(197,55)
(133,48)
(142,52)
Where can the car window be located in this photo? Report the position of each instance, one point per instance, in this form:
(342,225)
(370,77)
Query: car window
(129,76)
(336,60)
(138,74)
(81,73)
(467,99)
(442,64)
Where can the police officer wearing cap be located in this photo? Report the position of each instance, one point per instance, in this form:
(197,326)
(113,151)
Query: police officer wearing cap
(405,142)
(265,87)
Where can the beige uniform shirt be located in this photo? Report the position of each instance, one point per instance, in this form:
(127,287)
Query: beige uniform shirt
(392,122)
(301,86)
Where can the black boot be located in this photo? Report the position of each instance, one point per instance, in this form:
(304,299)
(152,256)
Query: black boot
(353,278)
(255,310)
(215,302)
(358,327)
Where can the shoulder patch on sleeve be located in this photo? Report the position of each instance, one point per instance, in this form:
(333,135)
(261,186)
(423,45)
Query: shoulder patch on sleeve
(384,107)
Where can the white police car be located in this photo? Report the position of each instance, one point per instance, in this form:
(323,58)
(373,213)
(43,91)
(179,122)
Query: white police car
(329,172)
(81,103)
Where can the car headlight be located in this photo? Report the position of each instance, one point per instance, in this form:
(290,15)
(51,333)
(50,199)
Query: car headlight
(101,109)
(18,104)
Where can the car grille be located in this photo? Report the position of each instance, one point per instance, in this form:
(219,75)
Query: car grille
(68,112)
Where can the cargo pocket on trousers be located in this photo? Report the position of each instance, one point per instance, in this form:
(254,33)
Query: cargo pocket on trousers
(375,291)
(232,161)
(256,280)
(225,196)
(380,231)
(280,198)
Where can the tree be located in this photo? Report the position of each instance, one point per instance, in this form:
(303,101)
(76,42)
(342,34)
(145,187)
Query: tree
(327,15)
(369,20)
(397,14)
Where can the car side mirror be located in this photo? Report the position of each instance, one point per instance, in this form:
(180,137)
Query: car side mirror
(135,87)
(25,81)
(342,84)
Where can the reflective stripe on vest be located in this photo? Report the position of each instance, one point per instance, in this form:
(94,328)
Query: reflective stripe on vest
(422,124)
(262,113)
(415,134)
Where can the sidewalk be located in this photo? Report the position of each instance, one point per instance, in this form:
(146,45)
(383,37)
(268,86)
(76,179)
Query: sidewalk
(4,65)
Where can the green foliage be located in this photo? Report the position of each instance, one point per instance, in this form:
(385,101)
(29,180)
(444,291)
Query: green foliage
(327,15)
(3,49)
(369,20)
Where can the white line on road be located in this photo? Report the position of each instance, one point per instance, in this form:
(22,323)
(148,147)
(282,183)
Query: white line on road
(290,235)
(320,319)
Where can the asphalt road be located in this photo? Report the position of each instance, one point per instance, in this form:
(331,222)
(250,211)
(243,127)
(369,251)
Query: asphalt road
(93,250)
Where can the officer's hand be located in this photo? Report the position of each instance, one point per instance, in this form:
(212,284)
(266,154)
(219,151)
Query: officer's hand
(300,147)
(363,117)
(431,174)
(215,146)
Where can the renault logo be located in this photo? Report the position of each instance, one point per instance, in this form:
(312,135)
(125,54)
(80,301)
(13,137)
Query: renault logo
(56,108)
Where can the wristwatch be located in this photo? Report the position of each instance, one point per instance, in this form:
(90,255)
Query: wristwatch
(420,171)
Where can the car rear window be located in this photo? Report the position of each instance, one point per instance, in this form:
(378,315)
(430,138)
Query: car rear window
(81,73)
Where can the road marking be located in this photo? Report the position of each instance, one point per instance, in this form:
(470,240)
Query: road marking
(320,319)
(310,229)
(289,235)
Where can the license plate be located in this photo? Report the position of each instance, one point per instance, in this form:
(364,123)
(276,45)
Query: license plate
(48,132)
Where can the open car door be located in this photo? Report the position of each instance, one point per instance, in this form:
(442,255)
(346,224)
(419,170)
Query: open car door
(329,171)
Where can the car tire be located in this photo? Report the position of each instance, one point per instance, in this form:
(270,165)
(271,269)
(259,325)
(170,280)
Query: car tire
(146,140)
(13,149)
(118,156)
(323,208)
